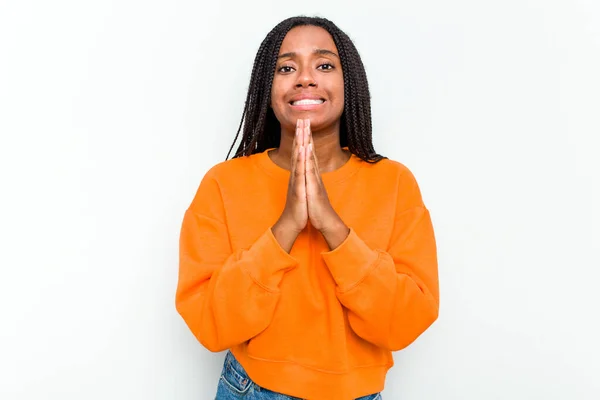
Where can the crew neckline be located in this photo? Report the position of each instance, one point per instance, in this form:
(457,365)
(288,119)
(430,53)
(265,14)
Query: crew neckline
(345,171)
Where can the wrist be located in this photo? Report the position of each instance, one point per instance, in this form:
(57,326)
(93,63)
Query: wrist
(332,224)
(285,234)
(287,225)
(335,233)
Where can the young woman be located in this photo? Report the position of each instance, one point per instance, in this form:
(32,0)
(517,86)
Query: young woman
(308,256)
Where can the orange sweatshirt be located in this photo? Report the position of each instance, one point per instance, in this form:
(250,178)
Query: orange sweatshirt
(316,323)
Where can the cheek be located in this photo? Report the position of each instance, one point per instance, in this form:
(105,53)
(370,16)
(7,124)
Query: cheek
(277,103)
(340,95)
(337,89)
(341,88)
(277,90)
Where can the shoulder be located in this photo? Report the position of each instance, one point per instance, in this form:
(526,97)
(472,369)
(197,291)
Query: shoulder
(219,179)
(390,170)
(225,174)
(398,179)
(234,168)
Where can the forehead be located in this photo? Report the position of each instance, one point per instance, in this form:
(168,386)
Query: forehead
(307,39)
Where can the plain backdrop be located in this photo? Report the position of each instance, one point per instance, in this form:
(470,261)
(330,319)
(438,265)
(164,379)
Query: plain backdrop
(112,111)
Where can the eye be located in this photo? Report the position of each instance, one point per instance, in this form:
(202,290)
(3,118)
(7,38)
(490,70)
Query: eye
(326,67)
(285,69)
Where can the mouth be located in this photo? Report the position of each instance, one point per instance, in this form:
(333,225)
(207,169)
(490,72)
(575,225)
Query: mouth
(307,104)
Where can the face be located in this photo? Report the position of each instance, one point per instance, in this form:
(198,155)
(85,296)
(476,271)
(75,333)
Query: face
(308,81)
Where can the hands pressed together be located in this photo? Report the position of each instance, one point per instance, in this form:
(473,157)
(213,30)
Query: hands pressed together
(307,198)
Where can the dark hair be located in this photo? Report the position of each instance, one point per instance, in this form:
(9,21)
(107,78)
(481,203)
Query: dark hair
(262,129)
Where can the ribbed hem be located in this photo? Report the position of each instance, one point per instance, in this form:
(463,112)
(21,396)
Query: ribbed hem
(350,262)
(307,383)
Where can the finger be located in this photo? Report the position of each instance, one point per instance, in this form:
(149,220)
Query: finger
(296,141)
(299,175)
(307,132)
(294,166)
(296,145)
(310,165)
(314,154)
(313,158)
(312,179)
(299,131)
(302,175)
(314,184)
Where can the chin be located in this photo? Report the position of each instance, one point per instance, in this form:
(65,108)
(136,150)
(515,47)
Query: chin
(320,123)
(316,121)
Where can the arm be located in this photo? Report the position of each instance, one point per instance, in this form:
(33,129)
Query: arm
(392,296)
(225,298)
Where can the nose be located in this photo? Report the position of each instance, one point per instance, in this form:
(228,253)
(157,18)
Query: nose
(306,78)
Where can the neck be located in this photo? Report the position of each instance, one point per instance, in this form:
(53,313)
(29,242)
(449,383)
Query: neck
(326,145)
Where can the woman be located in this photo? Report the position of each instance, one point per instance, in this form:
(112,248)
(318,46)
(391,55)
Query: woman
(308,255)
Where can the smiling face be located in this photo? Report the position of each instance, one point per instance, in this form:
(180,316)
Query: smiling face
(308,81)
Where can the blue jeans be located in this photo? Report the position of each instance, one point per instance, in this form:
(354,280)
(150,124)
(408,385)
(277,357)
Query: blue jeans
(235,384)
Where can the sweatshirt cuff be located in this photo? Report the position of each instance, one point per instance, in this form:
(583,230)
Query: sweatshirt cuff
(269,262)
(350,262)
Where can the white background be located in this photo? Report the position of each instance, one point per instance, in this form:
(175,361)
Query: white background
(112,111)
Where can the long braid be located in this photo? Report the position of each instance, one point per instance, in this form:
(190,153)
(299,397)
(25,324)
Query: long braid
(358,115)
(261,130)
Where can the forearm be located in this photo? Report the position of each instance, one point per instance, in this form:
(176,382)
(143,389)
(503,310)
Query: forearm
(230,308)
(226,300)
(389,308)
(392,296)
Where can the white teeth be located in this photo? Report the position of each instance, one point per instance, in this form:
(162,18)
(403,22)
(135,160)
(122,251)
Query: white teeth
(306,102)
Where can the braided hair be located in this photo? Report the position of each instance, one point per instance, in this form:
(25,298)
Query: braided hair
(262,130)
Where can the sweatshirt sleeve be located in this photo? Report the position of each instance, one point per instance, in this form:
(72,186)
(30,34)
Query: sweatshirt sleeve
(392,295)
(225,297)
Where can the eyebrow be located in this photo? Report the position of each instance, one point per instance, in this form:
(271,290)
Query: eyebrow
(323,52)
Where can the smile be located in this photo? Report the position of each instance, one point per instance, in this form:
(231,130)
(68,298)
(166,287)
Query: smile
(307,102)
